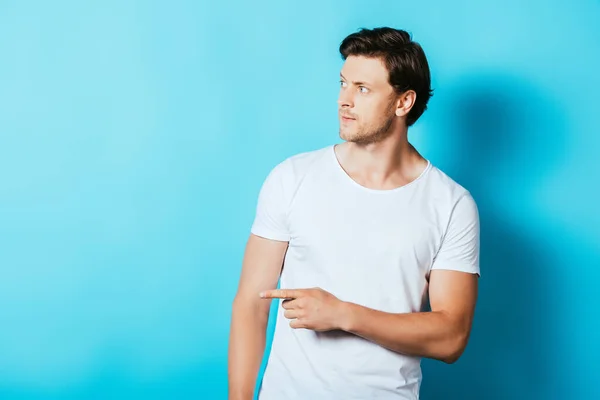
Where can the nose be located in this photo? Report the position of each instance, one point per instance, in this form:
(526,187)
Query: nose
(345,99)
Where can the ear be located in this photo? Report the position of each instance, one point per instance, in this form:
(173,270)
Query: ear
(405,102)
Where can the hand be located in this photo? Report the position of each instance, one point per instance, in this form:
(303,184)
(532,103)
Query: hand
(313,309)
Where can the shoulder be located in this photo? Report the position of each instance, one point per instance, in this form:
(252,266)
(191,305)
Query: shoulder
(444,188)
(448,196)
(293,169)
(300,163)
(288,174)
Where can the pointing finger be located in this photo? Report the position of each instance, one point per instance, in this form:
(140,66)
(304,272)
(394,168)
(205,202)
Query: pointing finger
(280,294)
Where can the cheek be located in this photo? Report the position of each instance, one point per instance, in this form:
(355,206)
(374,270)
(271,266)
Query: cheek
(369,116)
(370,109)
(381,112)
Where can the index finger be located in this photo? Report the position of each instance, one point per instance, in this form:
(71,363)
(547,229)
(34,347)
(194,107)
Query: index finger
(280,294)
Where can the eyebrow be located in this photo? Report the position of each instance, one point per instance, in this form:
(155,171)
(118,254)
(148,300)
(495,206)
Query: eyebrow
(356,82)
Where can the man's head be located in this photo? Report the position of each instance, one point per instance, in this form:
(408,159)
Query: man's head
(384,81)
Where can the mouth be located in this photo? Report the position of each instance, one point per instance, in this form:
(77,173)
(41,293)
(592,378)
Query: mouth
(346,119)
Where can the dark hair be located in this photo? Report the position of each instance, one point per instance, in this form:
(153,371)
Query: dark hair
(404,59)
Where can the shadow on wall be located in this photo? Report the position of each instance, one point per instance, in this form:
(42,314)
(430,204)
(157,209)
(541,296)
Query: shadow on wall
(507,137)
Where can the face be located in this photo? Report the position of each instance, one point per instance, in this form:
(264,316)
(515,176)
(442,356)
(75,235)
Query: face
(367,102)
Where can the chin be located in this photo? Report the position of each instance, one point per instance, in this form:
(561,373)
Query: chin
(348,136)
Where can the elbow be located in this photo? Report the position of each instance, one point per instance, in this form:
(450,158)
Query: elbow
(451,358)
(454,349)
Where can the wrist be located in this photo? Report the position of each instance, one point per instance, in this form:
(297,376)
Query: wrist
(346,316)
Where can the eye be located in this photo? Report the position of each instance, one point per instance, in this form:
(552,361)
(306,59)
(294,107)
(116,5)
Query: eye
(342,83)
(363,89)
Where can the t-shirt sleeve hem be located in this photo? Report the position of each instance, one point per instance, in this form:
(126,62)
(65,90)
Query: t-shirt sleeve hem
(472,269)
(270,234)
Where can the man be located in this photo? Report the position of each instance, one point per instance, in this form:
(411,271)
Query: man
(363,235)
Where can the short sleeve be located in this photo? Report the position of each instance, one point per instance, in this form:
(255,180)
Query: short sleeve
(270,220)
(459,250)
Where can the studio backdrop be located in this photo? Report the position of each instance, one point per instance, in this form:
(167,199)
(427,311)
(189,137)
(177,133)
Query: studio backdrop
(135,135)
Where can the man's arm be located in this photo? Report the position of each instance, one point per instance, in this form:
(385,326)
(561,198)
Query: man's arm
(261,268)
(441,333)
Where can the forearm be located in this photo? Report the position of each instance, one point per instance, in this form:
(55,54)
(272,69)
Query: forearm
(246,347)
(424,334)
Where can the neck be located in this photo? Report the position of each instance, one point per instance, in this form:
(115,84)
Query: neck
(388,163)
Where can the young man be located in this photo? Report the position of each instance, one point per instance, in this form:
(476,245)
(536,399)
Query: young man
(363,235)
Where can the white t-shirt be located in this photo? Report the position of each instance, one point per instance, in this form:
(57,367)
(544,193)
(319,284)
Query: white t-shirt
(371,247)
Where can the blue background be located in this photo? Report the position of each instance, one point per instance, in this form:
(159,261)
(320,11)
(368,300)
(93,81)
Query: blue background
(134,137)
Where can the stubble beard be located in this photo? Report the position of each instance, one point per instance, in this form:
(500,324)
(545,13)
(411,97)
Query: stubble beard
(366,136)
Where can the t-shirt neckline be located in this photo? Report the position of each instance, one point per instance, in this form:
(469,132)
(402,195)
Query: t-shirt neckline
(370,190)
